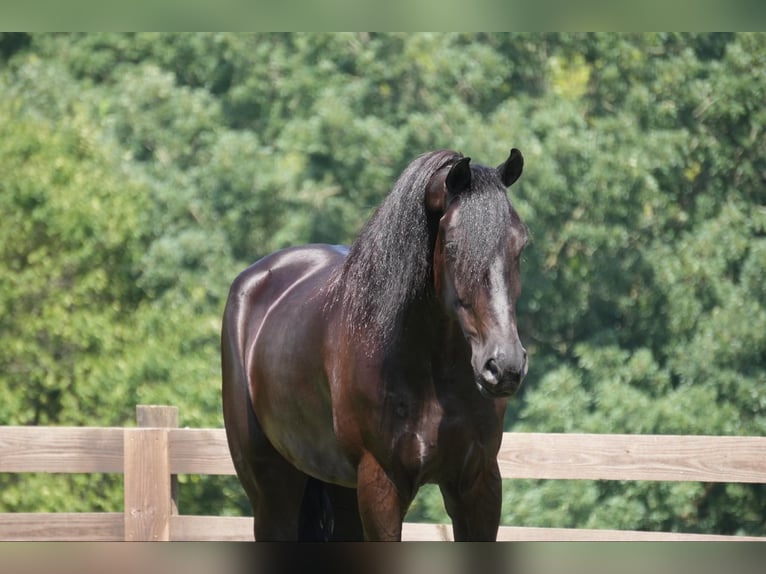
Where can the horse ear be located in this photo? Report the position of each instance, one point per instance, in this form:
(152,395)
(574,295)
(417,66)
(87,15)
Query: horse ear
(436,191)
(459,177)
(511,169)
(447,182)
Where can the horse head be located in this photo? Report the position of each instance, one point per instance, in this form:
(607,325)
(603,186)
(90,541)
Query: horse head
(476,266)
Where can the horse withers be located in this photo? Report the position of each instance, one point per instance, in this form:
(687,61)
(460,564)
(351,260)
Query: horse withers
(352,376)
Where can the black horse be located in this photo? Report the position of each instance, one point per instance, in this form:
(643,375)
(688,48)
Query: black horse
(353,376)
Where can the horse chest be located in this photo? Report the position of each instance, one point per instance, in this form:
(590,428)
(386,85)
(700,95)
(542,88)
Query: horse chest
(414,428)
(411,436)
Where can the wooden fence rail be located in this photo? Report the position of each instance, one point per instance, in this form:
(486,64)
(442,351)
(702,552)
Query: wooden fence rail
(150,455)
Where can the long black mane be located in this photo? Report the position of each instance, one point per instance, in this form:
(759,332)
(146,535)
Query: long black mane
(389,263)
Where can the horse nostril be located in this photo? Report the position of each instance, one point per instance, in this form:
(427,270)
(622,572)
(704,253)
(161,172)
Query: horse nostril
(491,372)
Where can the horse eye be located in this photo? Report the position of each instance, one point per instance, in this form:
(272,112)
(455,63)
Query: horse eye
(464,304)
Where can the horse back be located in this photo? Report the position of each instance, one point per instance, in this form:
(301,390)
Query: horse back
(256,290)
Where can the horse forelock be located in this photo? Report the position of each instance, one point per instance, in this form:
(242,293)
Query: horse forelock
(484,223)
(389,264)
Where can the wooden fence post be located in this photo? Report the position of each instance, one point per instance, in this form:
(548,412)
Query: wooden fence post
(149,491)
(161,417)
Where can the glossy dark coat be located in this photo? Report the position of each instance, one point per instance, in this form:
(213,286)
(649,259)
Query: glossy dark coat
(351,378)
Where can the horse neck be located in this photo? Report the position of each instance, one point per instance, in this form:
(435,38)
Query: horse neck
(426,330)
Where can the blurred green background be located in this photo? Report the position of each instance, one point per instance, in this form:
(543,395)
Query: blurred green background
(139,173)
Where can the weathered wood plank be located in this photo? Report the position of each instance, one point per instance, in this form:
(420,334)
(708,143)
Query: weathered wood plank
(533,534)
(557,456)
(421,532)
(634,457)
(240,529)
(61,449)
(523,455)
(199,451)
(62,526)
(105,526)
(413,532)
(190,528)
(147,485)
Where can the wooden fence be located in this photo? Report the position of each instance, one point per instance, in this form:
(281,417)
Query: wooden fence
(152,454)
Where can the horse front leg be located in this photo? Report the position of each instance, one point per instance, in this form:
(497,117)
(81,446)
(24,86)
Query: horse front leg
(382,505)
(474,504)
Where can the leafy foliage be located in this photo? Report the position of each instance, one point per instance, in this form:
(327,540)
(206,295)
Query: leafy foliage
(141,172)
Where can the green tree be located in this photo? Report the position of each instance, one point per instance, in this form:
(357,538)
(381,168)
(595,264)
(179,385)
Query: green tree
(656,224)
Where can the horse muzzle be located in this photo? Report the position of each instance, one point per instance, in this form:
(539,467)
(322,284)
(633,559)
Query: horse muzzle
(502,373)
